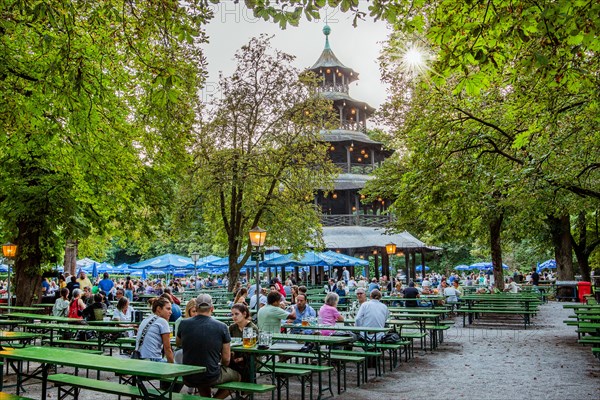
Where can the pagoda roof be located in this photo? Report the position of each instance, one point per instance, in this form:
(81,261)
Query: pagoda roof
(333,96)
(329,60)
(347,237)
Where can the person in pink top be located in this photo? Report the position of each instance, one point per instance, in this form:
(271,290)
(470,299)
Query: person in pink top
(329,314)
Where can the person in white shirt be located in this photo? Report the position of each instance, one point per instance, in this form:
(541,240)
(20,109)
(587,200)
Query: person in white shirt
(373,314)
(511,287)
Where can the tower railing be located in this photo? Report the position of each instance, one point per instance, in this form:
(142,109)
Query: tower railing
(357,168)
(375,221)
(339,88)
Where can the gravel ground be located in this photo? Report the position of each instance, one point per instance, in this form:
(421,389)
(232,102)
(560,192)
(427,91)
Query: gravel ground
(487,361)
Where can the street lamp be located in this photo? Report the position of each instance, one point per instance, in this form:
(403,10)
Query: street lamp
(195,257)
(390,249)
(9,251)
(257,240)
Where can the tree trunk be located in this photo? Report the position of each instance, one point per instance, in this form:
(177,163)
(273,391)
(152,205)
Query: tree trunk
(581,248)
(70,261)
(496,249)
(27,282)
(560,229)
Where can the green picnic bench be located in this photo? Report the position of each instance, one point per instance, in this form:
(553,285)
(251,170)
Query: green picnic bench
(239,388)
(338,361)
(71,385)
(471,312)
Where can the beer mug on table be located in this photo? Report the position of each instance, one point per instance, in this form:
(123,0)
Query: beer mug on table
(265,340)
(249,337)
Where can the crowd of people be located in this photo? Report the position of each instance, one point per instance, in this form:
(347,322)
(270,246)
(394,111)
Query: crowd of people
(79,297)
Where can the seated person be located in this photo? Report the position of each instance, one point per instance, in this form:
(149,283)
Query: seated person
(95,311)
(303,311)
(411,292)
(373,314)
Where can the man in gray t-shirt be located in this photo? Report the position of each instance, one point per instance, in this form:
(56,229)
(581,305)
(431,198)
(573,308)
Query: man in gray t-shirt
(206,342)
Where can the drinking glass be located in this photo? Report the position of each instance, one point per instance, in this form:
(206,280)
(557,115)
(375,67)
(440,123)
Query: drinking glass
(249,337)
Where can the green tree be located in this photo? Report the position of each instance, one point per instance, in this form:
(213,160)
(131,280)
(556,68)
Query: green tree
(98,101)
(258,155)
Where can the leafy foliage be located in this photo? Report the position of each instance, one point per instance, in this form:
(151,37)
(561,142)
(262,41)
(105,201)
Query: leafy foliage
(259,156)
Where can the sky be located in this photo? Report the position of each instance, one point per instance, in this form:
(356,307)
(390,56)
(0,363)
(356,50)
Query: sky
(358,48)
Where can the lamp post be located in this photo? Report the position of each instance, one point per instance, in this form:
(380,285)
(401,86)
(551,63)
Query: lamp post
(9,251)
(257,240)
(390,249)
(195,257)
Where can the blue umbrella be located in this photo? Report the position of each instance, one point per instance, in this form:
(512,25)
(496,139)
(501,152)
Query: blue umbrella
(463,267)
(351,261)
(94,270)
(486,265)
(550,264)
(164,261)
(419,268)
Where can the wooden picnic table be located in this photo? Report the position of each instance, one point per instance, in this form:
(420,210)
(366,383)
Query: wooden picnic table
(105,334)
(12,336)
(41,317)
(142,370)
(20,308)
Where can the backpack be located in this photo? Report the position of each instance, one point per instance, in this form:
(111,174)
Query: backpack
(74,311)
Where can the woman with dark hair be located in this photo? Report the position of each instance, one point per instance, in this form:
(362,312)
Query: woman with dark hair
(241,319)
(61,305)
(124,312)
(240,297)
(128,288)
(155,332)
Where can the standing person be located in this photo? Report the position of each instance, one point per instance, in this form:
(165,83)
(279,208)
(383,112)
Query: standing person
(77,305)
(303,311)
(240,314)
(156,332)
(206,342)
(270,316)
(84,281)
(72,285)
(373,314)
(345,275)
(411,292)
(329,314)
(535,278)
(61,305)
(106,284)
(129,288)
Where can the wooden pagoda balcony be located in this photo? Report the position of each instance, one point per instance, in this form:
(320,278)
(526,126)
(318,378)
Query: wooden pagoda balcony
(338,87)
(356,220)
(357,168)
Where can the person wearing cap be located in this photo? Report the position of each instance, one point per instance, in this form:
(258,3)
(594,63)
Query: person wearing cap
(270,316)
(373,314)
(206,342)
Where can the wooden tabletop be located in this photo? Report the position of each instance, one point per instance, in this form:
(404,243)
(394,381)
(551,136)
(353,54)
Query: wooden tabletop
(142,368)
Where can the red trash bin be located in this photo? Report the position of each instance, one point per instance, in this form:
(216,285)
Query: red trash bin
(583,289)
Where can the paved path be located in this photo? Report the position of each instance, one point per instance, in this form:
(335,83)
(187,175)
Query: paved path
(481,362)
(489,363)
